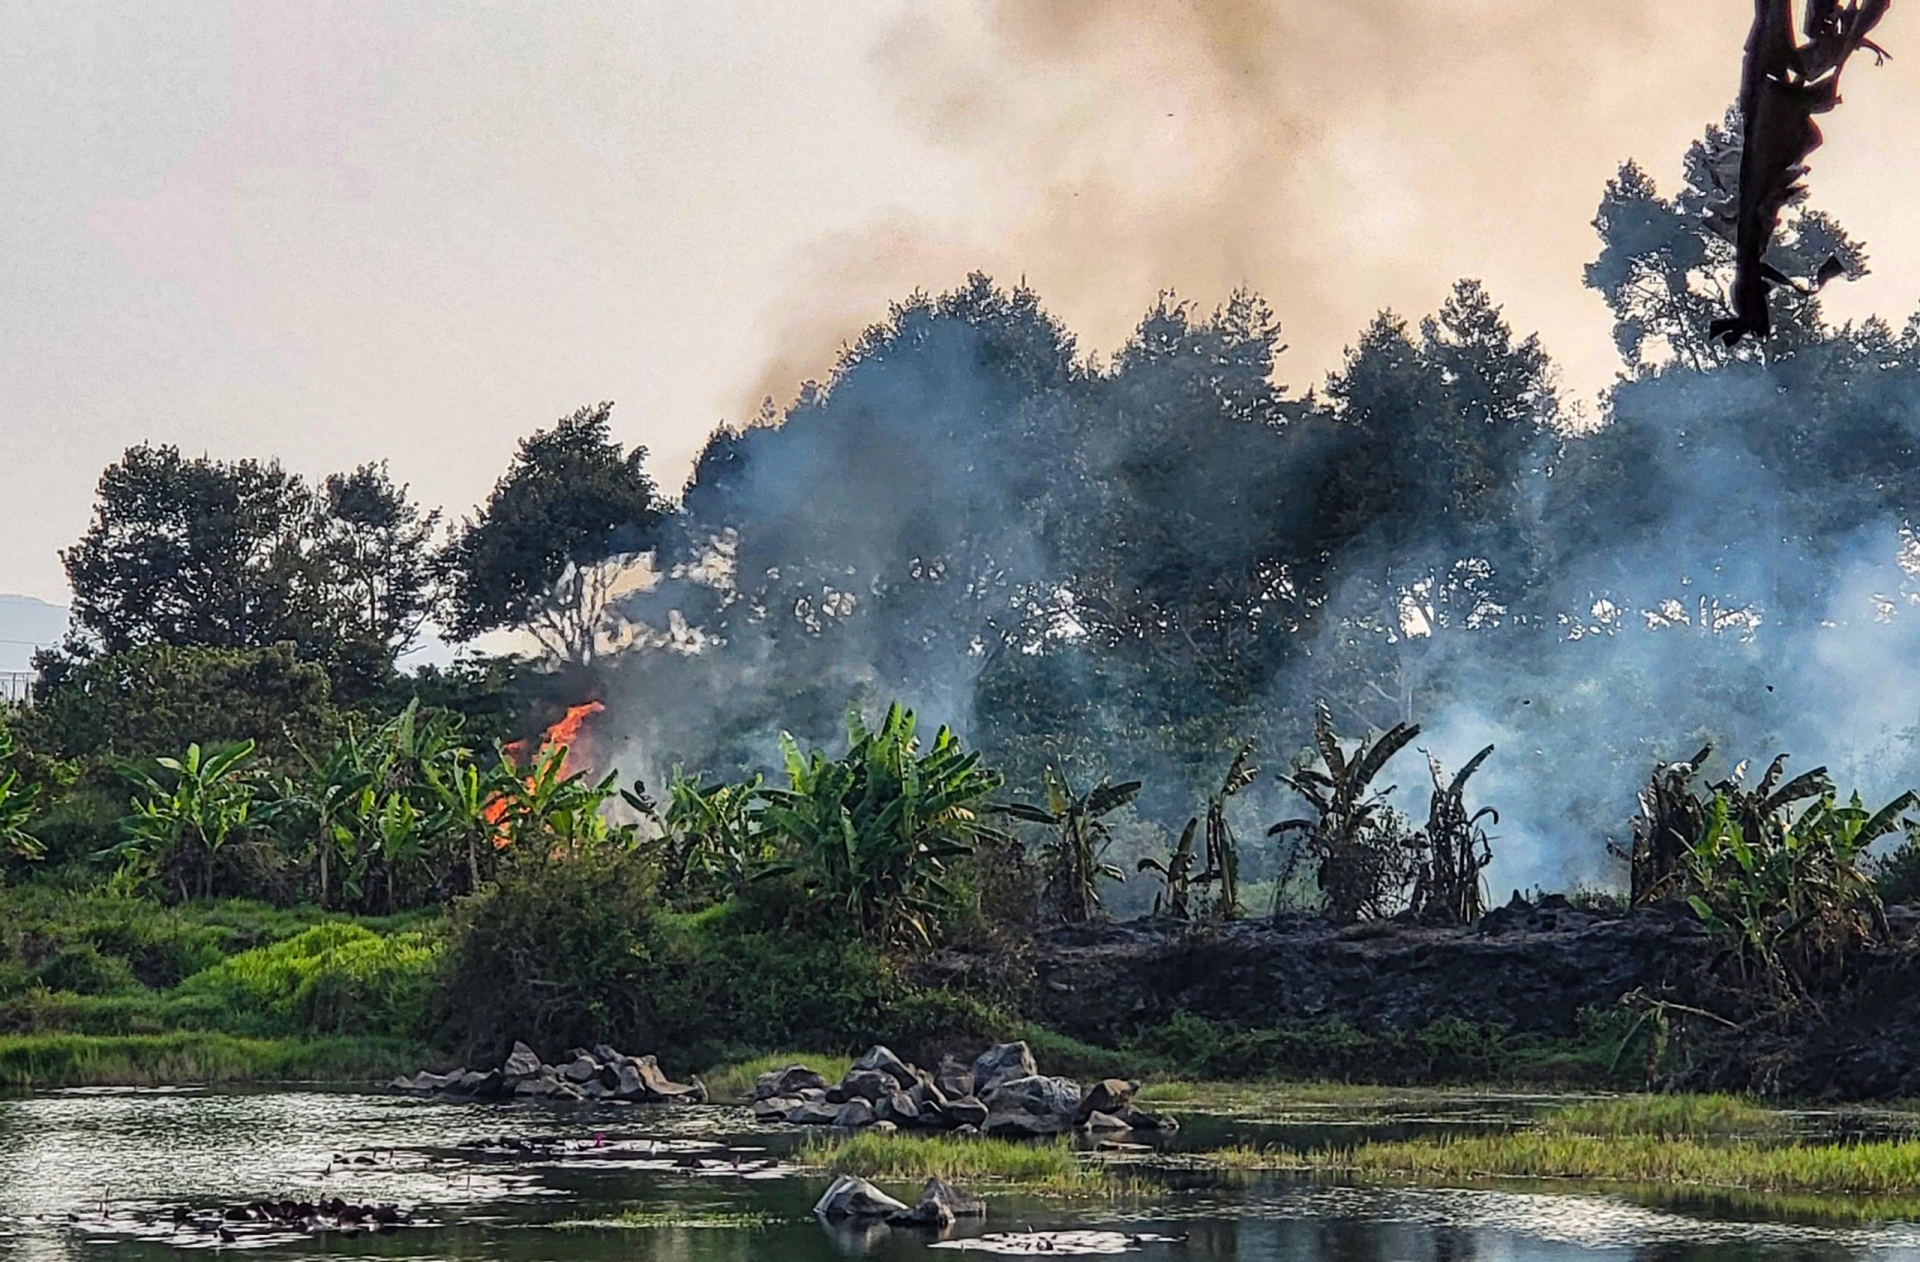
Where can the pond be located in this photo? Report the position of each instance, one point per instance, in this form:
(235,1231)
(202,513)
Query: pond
(99,1174)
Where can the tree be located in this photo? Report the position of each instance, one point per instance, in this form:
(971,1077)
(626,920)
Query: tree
(1665,264)
(374,550)
(546,551)
(191,552)
(204,554)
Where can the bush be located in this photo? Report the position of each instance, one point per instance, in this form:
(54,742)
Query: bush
(335,978)
(561,954)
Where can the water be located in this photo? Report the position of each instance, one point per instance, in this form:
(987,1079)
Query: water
(95,1175)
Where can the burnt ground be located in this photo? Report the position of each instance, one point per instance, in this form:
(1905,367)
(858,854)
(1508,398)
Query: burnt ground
(1528,970)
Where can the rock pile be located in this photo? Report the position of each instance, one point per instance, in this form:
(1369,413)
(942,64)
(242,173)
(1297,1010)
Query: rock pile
(1001,1093)
(600,1073)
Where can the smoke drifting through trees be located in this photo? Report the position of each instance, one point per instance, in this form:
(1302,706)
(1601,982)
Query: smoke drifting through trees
(1127,568)
(1339,158)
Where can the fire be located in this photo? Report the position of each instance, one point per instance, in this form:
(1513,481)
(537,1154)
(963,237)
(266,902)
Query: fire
(564,735)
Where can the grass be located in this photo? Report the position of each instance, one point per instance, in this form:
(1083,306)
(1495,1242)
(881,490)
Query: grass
(1664,1115)
(732,1083)
(912,1158)
(33,1061)
(1884,1168)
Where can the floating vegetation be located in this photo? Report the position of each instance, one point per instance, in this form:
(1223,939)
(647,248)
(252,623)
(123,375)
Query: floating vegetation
(1083,1243)
(689,1217)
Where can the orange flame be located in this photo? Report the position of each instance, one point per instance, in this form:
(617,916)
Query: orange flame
(565,735)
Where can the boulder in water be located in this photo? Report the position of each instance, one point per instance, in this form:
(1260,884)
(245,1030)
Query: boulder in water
(850,1197)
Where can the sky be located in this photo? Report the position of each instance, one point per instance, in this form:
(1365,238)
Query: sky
(414,231)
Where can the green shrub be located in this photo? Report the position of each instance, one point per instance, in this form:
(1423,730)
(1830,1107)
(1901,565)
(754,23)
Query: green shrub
(335,978)
(561,954)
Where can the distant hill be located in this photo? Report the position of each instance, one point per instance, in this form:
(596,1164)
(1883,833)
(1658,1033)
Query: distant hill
(25,624)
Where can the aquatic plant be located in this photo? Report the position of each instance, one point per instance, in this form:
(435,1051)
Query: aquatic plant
(910,1158)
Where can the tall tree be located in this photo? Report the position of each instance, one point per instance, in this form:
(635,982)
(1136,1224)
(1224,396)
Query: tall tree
(546,551)
(191,552)
(374,553)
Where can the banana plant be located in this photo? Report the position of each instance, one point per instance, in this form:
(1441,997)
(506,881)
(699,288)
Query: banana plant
(1358,845)
(18,803)
(1176,899)
(547,813)
(873,834)
(712,837)
(1074,853)
(1453,849)
(185,812)
(1787,891)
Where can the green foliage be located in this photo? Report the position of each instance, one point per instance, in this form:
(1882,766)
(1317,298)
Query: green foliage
(19,803)
(1073,855)
(561,954)
(43,1061)
(336,978)
(185,812)
(532,558)
(1360,849)
(712,838)
(1053,1166)
(547,814)
(202,554)
(872,834)
(1788,892)
(147,702)
(398,813)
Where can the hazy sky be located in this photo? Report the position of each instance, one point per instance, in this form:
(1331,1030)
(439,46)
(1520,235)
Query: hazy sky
(413,231)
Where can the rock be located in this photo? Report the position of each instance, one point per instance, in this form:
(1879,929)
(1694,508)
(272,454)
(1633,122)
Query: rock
(850,1197)
(774,1108)
(659,1088)
(966,1130)
(837,1094)
(1109,1095)
(1141,1120)
(868,1084)
(883,1127)
(790,1081)
(1025,1108)
(939,1205)
(1001,1063)
(594,1089)
(883,1060)
(854,1114)
(485,1086)
(405,1084)
(606,1055)
(897,1107)
(1037,1093)
(1097,1121)
(953,1078)
(582,1069)
(926,1093)
(523,1063)
(964,1112)
(629,1086)
(814,1095)
(815,1113)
